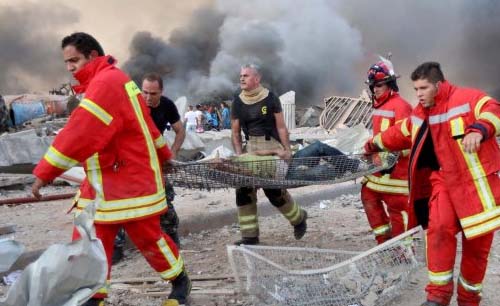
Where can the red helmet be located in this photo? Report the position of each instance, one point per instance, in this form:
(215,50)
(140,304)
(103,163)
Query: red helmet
(379,73)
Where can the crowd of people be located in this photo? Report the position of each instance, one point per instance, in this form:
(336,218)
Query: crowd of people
(116,133)
(207,117)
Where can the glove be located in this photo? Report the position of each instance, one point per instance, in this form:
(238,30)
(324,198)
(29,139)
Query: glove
(370,147)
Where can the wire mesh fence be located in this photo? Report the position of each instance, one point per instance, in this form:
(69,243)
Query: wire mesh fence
(273,172)
(307,276)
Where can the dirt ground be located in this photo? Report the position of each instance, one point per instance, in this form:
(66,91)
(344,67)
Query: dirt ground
(338,223)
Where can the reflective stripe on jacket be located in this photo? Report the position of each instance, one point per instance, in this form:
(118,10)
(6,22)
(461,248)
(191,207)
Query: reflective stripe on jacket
(386,115)
(472,179)
(113,136)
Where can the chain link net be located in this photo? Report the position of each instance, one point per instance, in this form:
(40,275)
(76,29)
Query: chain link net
(270,172)
(307,276)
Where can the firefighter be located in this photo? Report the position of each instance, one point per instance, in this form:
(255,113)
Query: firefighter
(257,112)
(455,179)
(122,152)
(390,186)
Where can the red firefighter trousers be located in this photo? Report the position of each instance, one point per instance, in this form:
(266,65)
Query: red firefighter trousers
(385,226)
(441,252)
(157,247)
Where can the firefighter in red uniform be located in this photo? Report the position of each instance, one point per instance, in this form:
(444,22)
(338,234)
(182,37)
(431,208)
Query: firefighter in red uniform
(389,187)
(122,151)
(454,179)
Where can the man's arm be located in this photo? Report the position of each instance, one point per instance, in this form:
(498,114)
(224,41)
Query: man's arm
(180,135)
(236,136)
(283,132)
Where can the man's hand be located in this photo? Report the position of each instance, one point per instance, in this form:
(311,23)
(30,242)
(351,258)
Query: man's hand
(370,147)
(35,188)
(284,154)
(472,142)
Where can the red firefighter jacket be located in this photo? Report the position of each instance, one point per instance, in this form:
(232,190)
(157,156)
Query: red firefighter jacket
(435,136)
(386,115)
(118,144)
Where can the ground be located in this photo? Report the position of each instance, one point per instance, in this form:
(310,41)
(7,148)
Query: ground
(337,223)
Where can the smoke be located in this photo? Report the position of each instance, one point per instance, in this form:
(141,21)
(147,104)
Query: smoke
(323,47)
(462,35)
(29,51)
(310,50)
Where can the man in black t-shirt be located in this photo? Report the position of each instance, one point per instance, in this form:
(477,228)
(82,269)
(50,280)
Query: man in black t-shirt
(257,112)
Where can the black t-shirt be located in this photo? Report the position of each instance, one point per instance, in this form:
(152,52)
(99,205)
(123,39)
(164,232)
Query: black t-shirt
(165,112)
(255,115)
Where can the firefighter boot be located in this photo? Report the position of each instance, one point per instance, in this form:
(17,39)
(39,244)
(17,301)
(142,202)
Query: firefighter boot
(94,302)
(181,288)
(300,229)
(247,241)
(431,303)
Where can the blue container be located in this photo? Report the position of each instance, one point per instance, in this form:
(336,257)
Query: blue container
(21,112)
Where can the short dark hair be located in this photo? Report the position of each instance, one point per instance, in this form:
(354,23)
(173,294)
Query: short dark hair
(430,71)
(83,42)
(152,77)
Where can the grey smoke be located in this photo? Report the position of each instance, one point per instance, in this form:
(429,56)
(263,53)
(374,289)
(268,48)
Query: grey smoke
(320,48)
(307,50)
(29,49)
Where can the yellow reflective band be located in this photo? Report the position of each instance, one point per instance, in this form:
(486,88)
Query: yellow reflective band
(96,110)
(94,176)
(294,213)
(385,124)
(405,153)
(160,142)
(378,141)
(167,252)
(479,105)
(457,127)
(477,288)
(129,203)
(479,178)
(174,271)
(246,227)
(112,216)
(104,289)
(245,219)
(404,214)
(59,160)
(480,218)
(404,128)
(482,228)
(440,278)
(387,189)
(381,230)
(493,119)
(387,180)
(133,91)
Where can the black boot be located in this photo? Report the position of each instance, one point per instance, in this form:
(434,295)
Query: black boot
(431,303)
(181,287)
(300,229)
(247,241)
(118,247)
(94,302)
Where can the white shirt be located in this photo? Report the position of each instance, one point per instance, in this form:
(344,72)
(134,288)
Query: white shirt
(190,118)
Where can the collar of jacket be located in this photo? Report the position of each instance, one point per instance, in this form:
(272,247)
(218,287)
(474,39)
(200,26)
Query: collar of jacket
(386,96)
(444,92)
(89,71)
